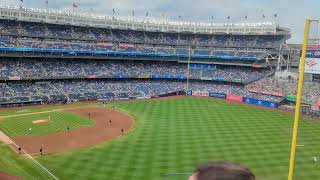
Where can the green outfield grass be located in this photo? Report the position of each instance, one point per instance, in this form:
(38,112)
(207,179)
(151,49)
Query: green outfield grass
(19,166)
(58,122)
(34,109)
(174,136)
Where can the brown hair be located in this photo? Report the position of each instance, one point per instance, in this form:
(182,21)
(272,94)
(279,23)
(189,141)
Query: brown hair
(221,170)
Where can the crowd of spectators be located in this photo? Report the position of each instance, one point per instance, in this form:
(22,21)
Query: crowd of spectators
(111,88)
(53,68)
(267,88)
(237,90)
(51,36)
(283,87)
(32,29)
(62,44)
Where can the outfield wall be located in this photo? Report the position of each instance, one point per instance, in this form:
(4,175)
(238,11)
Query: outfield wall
(234,98)
(260,102)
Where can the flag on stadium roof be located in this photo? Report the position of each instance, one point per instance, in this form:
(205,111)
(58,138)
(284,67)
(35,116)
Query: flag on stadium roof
(75,5)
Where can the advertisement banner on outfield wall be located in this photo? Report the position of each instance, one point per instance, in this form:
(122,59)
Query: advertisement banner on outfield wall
(200,93)
(91,76)
(144,77)
(260,102)
(217,95)
(120,76)
(231,97)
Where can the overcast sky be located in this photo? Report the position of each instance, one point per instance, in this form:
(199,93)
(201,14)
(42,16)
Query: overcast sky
(291,13)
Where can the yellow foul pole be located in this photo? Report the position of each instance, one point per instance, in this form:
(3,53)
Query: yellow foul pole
(299,97)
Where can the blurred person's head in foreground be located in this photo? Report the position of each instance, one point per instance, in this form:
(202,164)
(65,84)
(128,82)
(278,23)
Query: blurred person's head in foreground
(222,170)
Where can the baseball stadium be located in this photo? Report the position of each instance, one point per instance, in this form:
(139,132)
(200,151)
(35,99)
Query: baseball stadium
(84,96)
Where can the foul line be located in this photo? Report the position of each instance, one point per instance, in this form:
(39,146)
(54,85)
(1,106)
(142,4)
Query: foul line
(25,152)
(41,112)
(29,156)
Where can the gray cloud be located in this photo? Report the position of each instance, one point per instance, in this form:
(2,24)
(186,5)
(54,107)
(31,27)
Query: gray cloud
(292,13)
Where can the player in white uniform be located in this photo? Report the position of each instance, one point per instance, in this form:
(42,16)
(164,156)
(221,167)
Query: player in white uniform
(315,159)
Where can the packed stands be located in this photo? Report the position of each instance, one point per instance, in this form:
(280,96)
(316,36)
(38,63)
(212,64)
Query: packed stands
(58,44)
(31,29)
(18,34)
(54,68)
(283,87)
(50,79)
(58,90)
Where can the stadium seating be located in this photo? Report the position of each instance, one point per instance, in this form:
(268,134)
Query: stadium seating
(63,90)
(62,31)
(48,36)
(51,80)
(283,87)
(29,68)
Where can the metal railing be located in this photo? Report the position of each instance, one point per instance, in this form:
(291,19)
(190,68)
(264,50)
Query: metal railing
(134,23)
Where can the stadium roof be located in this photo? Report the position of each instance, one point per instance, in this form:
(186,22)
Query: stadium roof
(135,23)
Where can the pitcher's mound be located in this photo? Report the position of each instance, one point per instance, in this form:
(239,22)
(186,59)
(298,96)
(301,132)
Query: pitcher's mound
(40,122)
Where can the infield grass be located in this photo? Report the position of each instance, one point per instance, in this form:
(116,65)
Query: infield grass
(35,109)
(174,136)
(57,122)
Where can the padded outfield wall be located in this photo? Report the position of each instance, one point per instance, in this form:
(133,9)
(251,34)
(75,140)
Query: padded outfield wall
(234,98)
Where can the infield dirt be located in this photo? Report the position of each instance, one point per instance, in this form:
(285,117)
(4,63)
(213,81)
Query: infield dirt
(78,138)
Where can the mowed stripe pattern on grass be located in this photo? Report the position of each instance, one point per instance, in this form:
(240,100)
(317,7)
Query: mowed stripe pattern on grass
(20,165)
(57,122)
(176,135)
(40,108)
